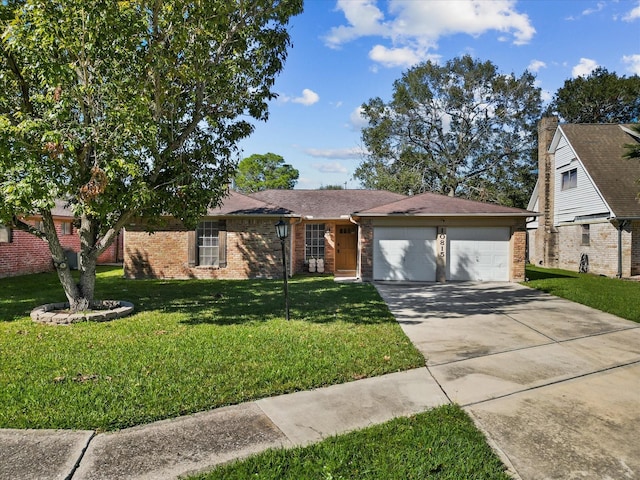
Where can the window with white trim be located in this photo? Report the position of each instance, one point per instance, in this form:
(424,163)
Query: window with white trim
(569,179)
(208,244)
(5,234)
(314,241)
(65,228)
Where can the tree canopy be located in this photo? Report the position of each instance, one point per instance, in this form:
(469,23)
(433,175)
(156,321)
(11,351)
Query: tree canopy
(633,149)
(129,108)
(263,172)
(461,129)
(600,97)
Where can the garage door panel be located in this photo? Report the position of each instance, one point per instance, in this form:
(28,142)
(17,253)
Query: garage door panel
(404,253)
(478,254)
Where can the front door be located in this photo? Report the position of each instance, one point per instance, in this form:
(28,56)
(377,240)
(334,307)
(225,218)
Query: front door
(346,248)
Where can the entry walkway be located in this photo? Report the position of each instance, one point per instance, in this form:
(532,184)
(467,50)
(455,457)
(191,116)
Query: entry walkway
(554,385)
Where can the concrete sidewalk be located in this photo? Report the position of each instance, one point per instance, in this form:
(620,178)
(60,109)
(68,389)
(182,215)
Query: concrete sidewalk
(170,448)
(554,385)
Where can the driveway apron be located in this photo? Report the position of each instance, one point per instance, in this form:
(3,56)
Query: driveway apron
(554,385)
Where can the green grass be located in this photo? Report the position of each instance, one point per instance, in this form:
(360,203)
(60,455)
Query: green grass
(611,295)
(191,346)
(442,444)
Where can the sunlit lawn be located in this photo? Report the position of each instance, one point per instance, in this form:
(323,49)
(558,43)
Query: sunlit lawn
(191,346)
(612,295)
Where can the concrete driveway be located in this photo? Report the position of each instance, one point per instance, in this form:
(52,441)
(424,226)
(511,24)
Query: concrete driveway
(554,385)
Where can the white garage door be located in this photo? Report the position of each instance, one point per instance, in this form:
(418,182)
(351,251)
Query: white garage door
(404,253)
(478,254)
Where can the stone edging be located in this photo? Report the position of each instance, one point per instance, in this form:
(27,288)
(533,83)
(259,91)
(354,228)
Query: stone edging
(50,313)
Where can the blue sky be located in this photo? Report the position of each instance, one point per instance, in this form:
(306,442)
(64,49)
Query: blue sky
(346,52)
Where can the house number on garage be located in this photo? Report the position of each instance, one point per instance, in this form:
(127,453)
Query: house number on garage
(442,241)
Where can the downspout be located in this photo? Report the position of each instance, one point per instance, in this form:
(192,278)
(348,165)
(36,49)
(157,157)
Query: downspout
(621,225)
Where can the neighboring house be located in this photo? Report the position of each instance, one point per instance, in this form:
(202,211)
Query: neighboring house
(368,234)
(22,253)
(587,194)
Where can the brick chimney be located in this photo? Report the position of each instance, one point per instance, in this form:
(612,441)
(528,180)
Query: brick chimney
(546,234)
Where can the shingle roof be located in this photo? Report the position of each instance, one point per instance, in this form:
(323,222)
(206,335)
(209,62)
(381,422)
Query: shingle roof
(239,204)
(326,204)
(432,204)
(600,148)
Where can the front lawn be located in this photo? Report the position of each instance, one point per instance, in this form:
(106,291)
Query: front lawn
(612,295)
(191,346)
(439,444)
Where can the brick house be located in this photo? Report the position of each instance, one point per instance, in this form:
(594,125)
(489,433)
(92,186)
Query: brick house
(22,253)
(587,194)
(368,234)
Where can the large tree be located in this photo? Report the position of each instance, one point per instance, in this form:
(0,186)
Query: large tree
(263,172)
(128,108)
(460,129)
(600,97)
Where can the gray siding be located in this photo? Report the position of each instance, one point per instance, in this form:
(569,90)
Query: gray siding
(575,202)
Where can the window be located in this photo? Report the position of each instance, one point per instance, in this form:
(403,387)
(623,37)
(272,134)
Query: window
(65,228)
(5,234)
(208,244)
(314,241)
(585,235)
(39,225)
(569,179)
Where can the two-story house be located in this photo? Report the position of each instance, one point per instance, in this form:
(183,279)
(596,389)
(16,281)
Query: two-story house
(587,195)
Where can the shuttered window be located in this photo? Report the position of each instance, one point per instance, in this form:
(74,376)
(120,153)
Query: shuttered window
(207,244)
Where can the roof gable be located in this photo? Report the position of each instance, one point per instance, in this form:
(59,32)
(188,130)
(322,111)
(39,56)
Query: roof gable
(600,149)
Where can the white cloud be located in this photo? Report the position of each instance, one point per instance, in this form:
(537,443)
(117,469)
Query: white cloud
(584,68)
(536,65)
(340,153)
(598,8)
(634,63)
(633,14)
(413,28)
(309,97)
(332,167)
(357,120)
(394,57)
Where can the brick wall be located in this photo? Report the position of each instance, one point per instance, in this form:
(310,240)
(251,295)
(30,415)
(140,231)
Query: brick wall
(635,248)
(27,254)
(366,249)
(518,254)
(602,249)
(253,251)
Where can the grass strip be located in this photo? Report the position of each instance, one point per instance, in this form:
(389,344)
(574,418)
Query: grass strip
(611,295)
(442,443)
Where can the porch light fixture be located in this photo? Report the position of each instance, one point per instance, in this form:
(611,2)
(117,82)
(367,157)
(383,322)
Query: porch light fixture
(282,231)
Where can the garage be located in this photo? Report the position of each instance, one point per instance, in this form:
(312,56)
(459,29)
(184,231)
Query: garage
(478,253)
(430,237)
(404,253)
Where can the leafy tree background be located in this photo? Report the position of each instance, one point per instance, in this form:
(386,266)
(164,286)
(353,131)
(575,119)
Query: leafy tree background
(460,129)
(600,97)
(128,108)
(264,172)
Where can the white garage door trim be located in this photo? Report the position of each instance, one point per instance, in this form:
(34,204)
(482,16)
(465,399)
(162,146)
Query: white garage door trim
(478,253)
(404,253)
